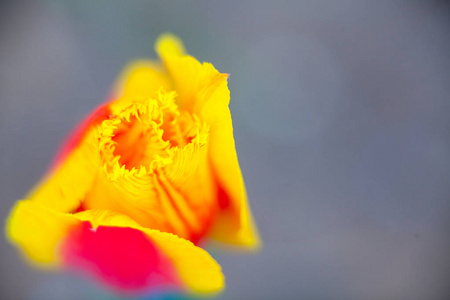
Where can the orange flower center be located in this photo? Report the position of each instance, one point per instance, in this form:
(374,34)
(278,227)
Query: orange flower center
(137,143)
(149,131)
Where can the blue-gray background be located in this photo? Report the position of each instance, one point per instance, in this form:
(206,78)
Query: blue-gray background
(341,117)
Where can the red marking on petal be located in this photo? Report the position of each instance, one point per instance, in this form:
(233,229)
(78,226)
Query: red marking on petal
(123,258)
(99,115)
(80,208)
(223,198)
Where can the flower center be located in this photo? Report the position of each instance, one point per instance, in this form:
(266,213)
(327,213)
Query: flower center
(149,132)
(138,142)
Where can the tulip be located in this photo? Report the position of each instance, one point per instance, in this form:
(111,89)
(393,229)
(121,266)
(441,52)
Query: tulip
(142,182)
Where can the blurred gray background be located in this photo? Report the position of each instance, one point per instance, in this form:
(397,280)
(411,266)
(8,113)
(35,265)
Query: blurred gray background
(341,117)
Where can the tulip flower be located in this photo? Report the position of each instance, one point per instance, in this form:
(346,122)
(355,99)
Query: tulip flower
(142,182)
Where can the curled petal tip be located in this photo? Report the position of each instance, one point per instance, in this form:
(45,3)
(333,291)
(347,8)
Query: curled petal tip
(169,44)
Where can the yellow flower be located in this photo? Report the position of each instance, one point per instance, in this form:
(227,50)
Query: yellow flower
(145,178)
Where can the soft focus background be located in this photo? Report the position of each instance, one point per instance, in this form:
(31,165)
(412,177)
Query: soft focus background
(341,117)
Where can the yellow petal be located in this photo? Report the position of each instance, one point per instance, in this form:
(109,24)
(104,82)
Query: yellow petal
(198,270)
(203,91)
(141,79)
(169,44)
(235,222)
(38,231)
(67,184)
